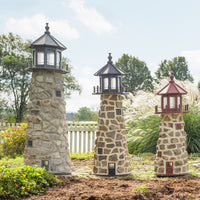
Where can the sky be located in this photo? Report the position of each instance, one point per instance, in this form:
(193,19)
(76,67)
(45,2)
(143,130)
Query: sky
(149,30)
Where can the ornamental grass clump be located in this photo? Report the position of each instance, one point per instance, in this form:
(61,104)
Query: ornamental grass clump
(13,141)
(143,125)
(17,182)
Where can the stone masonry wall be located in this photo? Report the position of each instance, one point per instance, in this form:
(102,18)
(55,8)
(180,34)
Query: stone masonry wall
(111,144)
(46,138)
(171,157)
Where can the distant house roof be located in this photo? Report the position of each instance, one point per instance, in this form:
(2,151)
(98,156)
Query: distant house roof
(172,88)
(109,68)
(48,40)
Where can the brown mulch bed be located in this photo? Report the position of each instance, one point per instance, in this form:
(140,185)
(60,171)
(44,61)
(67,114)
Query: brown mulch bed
(100,188)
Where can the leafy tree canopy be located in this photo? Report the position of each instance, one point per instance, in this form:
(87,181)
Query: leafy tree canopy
(70,82)
(85,114)
(14,78)
(178,66)
(138,76)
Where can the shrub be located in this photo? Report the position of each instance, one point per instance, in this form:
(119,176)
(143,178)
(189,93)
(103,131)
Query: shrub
(192,128)
(13,141)
(16,182)
(143,135)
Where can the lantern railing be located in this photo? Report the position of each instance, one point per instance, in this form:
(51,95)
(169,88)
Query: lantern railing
(98,90)
(30,66)
(168,110)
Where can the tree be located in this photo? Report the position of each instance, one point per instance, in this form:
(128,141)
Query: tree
(85,114)
(178,66)
(15,79)
(70,82)
(138,76)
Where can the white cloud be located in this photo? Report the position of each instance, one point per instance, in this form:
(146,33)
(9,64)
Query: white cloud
(33,26)
(90,17)
(193,58)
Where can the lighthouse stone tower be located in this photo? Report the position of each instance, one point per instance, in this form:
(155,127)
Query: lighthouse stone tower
(46,139)
(171,157)
(111,156)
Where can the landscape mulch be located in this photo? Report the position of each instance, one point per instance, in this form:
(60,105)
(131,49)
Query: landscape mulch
(124,187)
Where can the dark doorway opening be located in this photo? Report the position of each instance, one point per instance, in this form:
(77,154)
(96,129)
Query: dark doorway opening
(111,169)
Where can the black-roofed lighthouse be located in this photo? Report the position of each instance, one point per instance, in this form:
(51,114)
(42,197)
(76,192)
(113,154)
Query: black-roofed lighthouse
(46,138)
(111,155)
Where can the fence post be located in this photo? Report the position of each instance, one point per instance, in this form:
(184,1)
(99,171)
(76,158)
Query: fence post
(88,149)
(80,141)
(93,135)
(84,138)
(75,138)
(71,130)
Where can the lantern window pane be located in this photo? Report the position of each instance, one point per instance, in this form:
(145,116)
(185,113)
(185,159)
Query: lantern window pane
(100,80)
(40,58)
(178,101)
(113,83)
(105,82)
(58,59)
(172,102)
(165,102)
(119,83)
(34,58)
(50,57)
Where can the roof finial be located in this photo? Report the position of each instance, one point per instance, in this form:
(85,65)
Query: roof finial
(110,58)
(172,77)
(47,28)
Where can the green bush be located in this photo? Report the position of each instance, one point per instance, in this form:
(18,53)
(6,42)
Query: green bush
(143,135)
(13,140)
(192,128)
(17,182)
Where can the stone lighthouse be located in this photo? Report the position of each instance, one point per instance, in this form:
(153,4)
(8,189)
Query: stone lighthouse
(171,157)
(46,139)
(111,156)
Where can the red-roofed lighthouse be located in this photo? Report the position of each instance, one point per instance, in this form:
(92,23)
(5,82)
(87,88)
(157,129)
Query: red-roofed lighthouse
(171,157)
(171,98)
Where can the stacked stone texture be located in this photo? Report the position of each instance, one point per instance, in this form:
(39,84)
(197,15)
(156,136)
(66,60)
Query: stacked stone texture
(47,123)
(111,137)
(171,146)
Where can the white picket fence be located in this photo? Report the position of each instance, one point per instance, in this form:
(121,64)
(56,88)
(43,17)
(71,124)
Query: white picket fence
(4,126)
(81,137)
